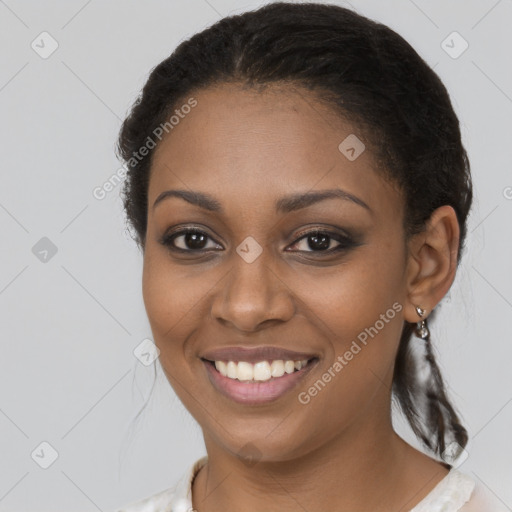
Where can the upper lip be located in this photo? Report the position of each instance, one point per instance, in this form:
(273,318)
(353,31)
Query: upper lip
(255,354)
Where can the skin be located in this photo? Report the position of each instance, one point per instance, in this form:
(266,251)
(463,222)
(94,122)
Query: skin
(339,452)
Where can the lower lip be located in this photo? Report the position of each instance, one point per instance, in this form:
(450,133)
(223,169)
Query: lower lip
(256,392)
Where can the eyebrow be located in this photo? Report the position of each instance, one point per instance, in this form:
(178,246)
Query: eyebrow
(285,204)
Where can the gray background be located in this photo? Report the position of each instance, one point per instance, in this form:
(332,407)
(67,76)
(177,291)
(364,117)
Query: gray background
(69,325)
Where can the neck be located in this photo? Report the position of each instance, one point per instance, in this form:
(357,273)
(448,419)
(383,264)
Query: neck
(365,467)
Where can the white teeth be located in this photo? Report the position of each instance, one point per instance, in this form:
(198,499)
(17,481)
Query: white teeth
(289,366)
(222,367)
(261,371)
(232,370)
(277,368)
(299,364)
(245,371)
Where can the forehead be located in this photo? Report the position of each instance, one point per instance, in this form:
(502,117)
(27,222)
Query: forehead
(251,145)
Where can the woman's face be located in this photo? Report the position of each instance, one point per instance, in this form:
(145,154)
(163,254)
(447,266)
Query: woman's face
(257,276)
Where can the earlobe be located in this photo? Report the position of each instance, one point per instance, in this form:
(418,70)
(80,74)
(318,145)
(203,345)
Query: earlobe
(432,262)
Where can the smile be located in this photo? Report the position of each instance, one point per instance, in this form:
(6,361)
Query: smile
(257,383)
(261,371)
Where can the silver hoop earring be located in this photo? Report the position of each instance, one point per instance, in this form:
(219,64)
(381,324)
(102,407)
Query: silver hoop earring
(421,330)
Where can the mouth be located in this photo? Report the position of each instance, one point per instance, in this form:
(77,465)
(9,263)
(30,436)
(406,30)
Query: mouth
(257,382)
(259,372)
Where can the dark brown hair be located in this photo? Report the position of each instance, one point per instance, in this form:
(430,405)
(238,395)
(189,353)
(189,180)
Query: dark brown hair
(373,78)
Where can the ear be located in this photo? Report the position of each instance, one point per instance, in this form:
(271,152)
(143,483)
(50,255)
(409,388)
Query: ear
(432,262)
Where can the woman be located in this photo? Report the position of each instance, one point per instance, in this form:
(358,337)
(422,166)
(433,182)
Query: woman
(298,187)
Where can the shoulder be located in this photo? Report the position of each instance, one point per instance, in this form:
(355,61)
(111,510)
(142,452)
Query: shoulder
(458,492)
(173,499)
(483,500)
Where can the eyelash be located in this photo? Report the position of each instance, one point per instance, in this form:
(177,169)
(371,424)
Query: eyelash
(345,242)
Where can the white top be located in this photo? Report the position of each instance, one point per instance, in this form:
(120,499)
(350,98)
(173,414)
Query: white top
(456,492)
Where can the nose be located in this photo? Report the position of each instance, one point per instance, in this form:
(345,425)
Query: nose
(253,296)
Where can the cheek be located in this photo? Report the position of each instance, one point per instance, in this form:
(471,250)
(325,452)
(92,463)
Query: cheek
(359,306)
(159,293)
(172,305)
(177,300)
(168,297)
(353,296)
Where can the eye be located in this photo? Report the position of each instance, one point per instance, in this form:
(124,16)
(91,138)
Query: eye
(320,241)
(316,240)
(188,240)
